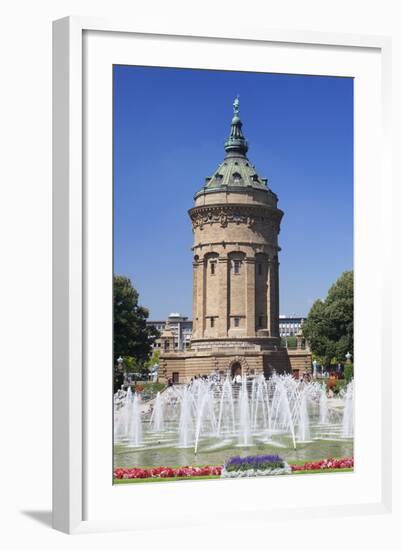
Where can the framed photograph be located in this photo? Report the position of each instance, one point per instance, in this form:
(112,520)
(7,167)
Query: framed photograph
(219,276)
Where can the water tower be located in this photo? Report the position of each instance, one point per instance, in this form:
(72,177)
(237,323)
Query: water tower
(235,222)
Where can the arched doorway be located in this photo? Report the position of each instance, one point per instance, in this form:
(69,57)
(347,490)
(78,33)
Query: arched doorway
(238,366)
(236,369)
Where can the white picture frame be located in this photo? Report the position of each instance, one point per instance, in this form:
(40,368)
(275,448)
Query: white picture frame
(71,257)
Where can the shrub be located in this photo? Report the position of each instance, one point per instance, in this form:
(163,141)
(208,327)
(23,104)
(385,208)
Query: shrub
(348,372)
(290,342)
(151,388)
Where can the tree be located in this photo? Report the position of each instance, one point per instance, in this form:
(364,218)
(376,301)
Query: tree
(329,327)
(132,337)
(154,360)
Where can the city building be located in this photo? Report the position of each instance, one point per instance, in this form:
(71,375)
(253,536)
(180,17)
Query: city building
(180,327)
(290,325)
(235,222)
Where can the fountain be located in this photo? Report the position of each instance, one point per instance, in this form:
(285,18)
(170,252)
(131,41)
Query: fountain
(157,418)
(226,409)
(135,426)
(186,422)
(210,415)
(244,432)
(281,409)
(323,405)
(123,417)
(260,404)
(303,432)
(348,417)
(205,417)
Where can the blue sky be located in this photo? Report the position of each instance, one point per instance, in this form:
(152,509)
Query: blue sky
(169,130)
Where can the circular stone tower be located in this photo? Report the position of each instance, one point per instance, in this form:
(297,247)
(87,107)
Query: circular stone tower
(236,223)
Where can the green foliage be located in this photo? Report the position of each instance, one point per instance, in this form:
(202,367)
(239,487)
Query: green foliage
(338,386)
(150,389)
(131,364)
(154,360)
(329,327)
(348,372)
(132,337)
(289,342)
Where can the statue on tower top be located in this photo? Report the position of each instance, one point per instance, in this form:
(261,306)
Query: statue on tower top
(236,142)
(236,105)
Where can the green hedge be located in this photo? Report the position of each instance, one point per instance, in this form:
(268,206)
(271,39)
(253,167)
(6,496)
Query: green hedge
(348,372)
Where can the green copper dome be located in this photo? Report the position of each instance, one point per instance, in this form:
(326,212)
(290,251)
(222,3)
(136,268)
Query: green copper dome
(235,171)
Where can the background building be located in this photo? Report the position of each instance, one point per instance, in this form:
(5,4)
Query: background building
(290,325)
(180,327)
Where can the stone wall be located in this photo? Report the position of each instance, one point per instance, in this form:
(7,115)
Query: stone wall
(300,360)
(189,364)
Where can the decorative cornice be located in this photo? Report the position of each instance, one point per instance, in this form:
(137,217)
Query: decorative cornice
(224,214)
(258,248)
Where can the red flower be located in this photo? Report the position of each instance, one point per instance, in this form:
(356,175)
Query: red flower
(167,472)
(327,464)
(160,471)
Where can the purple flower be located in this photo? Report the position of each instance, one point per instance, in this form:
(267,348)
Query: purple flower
(258,462)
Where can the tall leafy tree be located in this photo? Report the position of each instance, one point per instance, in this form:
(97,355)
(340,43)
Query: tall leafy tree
(329,327)
(132,337)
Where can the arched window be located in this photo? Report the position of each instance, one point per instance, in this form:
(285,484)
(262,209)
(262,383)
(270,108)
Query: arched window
(236,259)
(211,262)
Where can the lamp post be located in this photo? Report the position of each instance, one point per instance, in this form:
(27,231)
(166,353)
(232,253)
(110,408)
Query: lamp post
(120,362)
(314,364)
(155,372)
(348,357)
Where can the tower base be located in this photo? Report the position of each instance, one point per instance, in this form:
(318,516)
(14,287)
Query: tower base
(181,367)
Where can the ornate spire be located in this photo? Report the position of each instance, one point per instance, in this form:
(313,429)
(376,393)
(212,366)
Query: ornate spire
(236,143)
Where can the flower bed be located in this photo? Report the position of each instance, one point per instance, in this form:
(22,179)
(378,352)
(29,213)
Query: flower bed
(161,472)
(327,464)
(251,466)
(248,466)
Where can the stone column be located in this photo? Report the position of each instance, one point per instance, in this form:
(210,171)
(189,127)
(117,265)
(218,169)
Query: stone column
(200,298)
(250,295)
(277,298)
(268,301)
(222,269)
(194,298)
(273,297)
